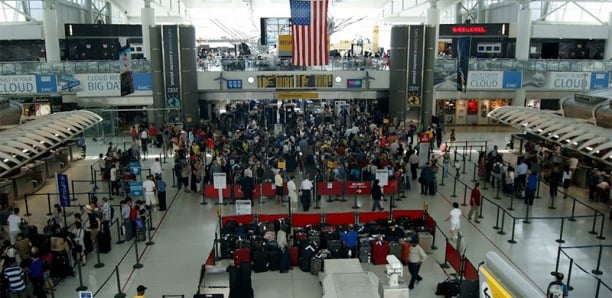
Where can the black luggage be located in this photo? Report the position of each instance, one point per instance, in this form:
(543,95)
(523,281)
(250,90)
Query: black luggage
(260,260)
(285,261)
(274,256)
(104,243)
(448,288)
(60,264)
(306,254)
(335,247)
(141,234)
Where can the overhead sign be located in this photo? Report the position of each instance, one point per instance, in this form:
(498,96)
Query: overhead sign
(285,44)
(600,80)
(234,84)
(415,63)
(275,81)
(297,95)
(63,189)
(46,83)
(450,30)
(478,80)
(142,82)
(28,84)
(354,83)
(105,84)
(136,188)
(304,81)
(577,80)
(135,168)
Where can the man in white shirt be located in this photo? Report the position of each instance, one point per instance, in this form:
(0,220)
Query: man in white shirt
(148,188)
(278,183)
(455,220)
(573,164)
(293,195)
(106,215)
(156,168)
(416,257)
(114,181)
(13,222)
(521,172)
(306,188)
(144,140)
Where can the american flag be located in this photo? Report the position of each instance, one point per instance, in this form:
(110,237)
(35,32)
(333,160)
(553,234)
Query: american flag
(309,32)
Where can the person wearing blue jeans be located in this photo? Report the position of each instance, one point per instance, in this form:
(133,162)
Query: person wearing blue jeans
(416,257)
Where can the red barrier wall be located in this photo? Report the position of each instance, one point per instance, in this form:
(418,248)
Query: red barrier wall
(336,189)
(359,188)
(453,257)
(413,214)
(269,190)
(390,188)
(270,217)
(243,219)
(210,191)
(471,273)
(370,216)
(340,218)
(303,219)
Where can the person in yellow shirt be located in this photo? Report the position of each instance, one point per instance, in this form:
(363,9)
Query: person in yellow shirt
(140,291)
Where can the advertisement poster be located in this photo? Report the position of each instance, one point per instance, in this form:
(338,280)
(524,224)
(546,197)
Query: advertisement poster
(463,61)
(125,70)
(171,65)
(415,64)
(28,84)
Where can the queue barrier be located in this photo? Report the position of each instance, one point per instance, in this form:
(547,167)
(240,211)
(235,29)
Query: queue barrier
(453,257)
(340,218)
(269,190)
(329,188)
(357,187)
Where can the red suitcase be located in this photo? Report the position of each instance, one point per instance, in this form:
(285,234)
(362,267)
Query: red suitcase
(380,250)
(294,254)
(242,255)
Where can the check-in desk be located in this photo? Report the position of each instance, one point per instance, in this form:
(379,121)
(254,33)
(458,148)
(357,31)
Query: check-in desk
(57,162)
(7,193)
(29,180)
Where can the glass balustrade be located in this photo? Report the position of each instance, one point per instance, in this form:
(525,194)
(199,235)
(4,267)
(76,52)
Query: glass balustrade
(336,64)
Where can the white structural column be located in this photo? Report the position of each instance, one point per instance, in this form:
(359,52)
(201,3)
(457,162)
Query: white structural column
(524,31)
(148,19)
(519,97)
(52,48)
(608,51)
(433,19)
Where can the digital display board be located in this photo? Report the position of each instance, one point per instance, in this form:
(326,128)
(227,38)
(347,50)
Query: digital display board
(234,84)
(275,81)
(449,30)
(325,81)
(354,83)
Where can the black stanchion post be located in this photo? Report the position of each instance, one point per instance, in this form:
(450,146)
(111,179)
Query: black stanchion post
(65,219)
(442,180)
(596,271)
(569,275)
(598,288)
(537,195)
(73,191)
(445,264)
(433,240)
(150,242)
(150,217)
(203,201)
(512,241)
(138,265)
(316,196)
(496,227)
(601,227)
(526,220)
(497,192)
(463,161)
(511,208)
(119,224)
(474,174)
(454,195)
(173,179)
(464,195)
(557,262)
(560,240)
(49,213)
(81,286)
(99,264)
(501,229)
(355,206)
(552,203)
(592,231)
(573,210)
(25,200)
(119,294)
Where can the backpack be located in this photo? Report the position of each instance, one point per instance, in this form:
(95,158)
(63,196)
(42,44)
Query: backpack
(497,168)
(555,290)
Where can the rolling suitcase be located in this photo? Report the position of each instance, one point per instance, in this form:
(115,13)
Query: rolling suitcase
(104,243)
(274,258)
(294,255)
(380,250)
(335,247)
(260,260)
(285,261)
(242,255)
(316,265)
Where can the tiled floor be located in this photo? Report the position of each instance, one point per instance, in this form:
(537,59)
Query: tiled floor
(184,237)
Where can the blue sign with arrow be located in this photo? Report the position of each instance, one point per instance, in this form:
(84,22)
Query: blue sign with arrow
(173,102)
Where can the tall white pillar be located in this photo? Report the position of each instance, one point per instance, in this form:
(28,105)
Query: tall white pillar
(519,97)
(433,20)
(608,50)
(52,48)
(148,19)
(524,31)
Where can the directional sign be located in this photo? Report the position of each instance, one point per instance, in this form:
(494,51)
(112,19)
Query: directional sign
(71,84)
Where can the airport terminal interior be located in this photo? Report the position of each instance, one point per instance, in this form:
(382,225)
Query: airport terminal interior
(270,150)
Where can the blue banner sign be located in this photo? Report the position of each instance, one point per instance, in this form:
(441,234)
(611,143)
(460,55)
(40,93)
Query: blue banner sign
(136,188)
(63,189)
(142,82)
(512,79)
(234,84)
(600,80)
(135,168)
(46,84)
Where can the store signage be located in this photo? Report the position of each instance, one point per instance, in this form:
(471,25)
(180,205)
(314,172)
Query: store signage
(449,30)
(304,81)
(600,80)
(479,80)
(275,81)
(28,84)
(415,63)
(234,84)
(354,83)
(171,65)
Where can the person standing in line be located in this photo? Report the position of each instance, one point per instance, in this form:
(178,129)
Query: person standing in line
(127,220)
(521,171)
(556,288)
(160,185)
(377,196)
(114,181)
(567,181)
(455,220)
(554,179)
(248,185)
(15,277)
(414,164)
(293,195)
(14,220)
(475,203)
(148,188)
(144,141)
(156,168)
(140,291)
(530,190)
(416,257)
(278,183)
(306,188)
(106,214)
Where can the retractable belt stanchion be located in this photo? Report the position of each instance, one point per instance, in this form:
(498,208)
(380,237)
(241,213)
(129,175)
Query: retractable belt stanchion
(138,265)
(81,287)
(316,195)
(119,294)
